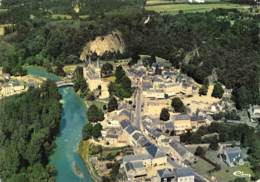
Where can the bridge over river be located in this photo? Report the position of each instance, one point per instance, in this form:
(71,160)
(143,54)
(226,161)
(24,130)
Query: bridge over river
(64,83)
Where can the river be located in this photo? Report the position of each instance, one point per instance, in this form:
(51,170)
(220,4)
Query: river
(65,157)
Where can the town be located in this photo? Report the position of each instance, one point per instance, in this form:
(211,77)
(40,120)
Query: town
(129,91)
(147,128)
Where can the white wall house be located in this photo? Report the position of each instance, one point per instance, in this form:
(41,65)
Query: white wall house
(196,1)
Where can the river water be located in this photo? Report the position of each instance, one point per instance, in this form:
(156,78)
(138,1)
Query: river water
(65,156)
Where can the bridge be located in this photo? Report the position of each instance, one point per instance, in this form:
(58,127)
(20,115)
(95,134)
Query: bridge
(64,83)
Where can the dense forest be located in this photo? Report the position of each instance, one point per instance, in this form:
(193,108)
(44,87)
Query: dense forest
(28,125)
(223,43)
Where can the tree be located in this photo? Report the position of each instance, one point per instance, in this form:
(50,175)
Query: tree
(80,83)
(87,131)
(96,132)
(126,83)
(134,59)
(106,70)
(218,91)
(241,97)
(112,104)
(214,145)
(119,73)
(240,180)
(95,114)
(59,70)
(200,151)
(178,105)
(90,130)
(122,86)
(165,115)
(25,150)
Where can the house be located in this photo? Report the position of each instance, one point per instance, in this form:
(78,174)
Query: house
(254,113)
(135,170)
(196,1)
(197,121)
(143,142)
(166,175)
(184,174)
(180,174)
(125,123)
(168,74)
(156,134)
(181,123)
(153,157)
(153,107)
(233,156)
(155,93)
(136,137)
(111,135)
(130,130)
(180,153)
(124,115)
(168,127)
(158,156)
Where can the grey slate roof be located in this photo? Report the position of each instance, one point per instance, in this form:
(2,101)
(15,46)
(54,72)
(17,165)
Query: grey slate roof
(112,136)
(166,173)
(154,151)
(154,132)
(169,125)
(125,124)
(181,117)
(233,153)
(131,158)
(143,142)
(125,112)
(147,85)
(133,165)
(137,136)
(178,147)
(184,172)
(130,129)
(196,117)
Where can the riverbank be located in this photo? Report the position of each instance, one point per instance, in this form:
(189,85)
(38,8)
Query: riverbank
(83,150)
(65,157)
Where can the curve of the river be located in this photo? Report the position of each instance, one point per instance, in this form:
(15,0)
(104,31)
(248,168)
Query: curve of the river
(65,157)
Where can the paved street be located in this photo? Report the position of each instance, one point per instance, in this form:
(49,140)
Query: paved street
(138,107)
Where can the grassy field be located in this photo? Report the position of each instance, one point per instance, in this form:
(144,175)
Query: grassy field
(226,174)
(168,7)
(99,104)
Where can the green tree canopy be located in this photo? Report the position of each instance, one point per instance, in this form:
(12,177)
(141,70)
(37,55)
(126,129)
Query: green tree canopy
(119,73)
(218,91)
(112,104)
(95,114)
(200,151)
(29,123)
(106,70)
(80,84)
(91,130)
(178,105)
(165,115)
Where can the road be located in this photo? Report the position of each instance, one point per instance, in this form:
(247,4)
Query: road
(138,107)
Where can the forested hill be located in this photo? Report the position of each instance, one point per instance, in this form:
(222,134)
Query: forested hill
(226,43)
(28,125)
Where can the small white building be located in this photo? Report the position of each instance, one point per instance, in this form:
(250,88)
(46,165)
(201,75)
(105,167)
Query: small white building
(196,1)
(254,113)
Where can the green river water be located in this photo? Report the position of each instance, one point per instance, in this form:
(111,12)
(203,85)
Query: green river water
(65,157)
